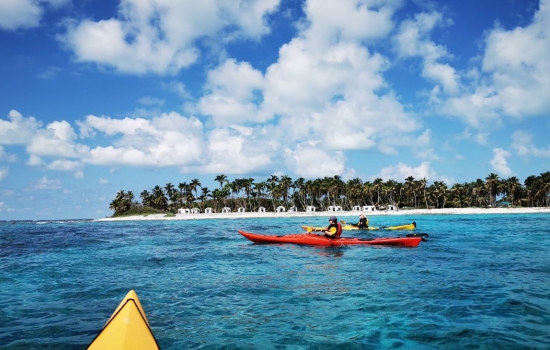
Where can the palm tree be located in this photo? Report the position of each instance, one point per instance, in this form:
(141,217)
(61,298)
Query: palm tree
(205,193)
(439,191)
(169,188)
(221,179)
(353,192)
(422,188)
(299,193)
(117,204)
(193,185)
(322,192)
(158,198)
(511,186)
(479,192)
(259,187)
(217,194)
(336,186)
(183,187)
(145,198)
(378,184)
(410,187)
(368,191)
(457,193)
(493,186)
(285,183)
(247,186)
(273,189)
(545,177)
(389,190)
(530,183)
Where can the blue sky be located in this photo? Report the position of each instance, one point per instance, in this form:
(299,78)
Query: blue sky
(98,97)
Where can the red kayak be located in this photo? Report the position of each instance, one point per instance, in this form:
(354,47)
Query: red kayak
(318,240)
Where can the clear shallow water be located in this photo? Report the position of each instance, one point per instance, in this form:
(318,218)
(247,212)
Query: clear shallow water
(479,282)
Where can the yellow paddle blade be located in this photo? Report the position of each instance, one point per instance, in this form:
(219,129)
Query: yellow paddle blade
(313,228)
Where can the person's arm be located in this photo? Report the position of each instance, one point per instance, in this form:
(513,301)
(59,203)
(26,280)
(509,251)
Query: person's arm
(331,230)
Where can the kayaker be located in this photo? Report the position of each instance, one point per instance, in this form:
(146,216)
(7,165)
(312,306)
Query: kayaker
(334,229)
(363,222)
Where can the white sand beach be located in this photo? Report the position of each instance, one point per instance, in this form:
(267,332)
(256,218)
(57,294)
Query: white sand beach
(342,214)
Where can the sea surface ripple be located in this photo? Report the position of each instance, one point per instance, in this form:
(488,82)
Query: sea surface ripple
(479,282)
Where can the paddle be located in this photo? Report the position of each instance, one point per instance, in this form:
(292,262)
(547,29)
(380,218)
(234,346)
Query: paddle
(310,229)
(345,223)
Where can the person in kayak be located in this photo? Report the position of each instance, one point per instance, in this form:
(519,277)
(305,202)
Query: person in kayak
(334,229)
(363,222)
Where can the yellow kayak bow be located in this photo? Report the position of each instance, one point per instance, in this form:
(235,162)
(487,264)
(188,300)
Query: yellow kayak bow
(127,328)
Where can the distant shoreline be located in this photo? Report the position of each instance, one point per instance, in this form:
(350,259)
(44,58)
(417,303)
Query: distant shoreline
(407,212)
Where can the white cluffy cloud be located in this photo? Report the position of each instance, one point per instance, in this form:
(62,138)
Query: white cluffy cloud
(325,83)
(513,79)
(7,156)
(24,14)
(230,97)
(310,162)
(234,150)
(499,162)
(413,40)
(45,184)
(401,171)
(67,165)
(167,140)
(18,130)
(161,36)
(523,145)
(57,140)
(4,207)
(4,171)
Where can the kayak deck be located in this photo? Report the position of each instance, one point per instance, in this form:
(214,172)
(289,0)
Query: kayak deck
(319,240)
(127,328)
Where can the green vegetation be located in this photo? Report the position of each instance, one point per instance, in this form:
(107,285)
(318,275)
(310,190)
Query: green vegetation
(136,209)
(321,193)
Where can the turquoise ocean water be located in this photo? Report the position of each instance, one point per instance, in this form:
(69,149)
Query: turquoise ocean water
(479,282)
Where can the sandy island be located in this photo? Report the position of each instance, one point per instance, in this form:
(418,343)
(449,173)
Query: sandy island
(343,214)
